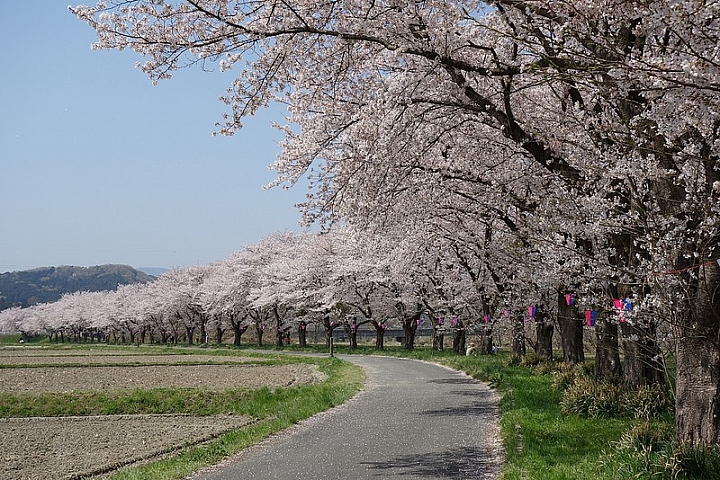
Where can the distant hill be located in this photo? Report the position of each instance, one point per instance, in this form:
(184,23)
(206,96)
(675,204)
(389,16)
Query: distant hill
(48,284)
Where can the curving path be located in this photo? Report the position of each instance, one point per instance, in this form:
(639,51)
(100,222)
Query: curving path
(414,420)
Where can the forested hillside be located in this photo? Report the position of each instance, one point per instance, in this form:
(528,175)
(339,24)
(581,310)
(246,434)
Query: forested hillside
(48,284)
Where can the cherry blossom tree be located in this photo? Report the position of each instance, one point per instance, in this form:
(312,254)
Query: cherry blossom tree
(35,321)
(586,131)
(229,289)
(17,319)
(173,293)
(276,265)
(158,311)
(359,271)
(315,285)
(99,308)
(123,306)
(185,299)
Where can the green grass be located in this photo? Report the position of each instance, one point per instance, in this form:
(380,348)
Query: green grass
(10,339)
(156,401)
(15,339)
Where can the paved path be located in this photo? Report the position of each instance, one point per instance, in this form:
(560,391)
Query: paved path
(414,420)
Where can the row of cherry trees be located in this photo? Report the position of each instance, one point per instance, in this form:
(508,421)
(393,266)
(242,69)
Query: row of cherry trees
(342,278)
(338,279)
(549,145)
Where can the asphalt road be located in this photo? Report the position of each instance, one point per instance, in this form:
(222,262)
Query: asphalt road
(414,420)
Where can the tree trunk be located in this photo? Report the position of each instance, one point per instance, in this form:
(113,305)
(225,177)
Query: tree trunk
(518,336)
(438,336)
(544,337)
(642,357)
(380,339)
(459,339)
(409,342)
(607,353)
(486,342)
(237,333)
(328,336)
(438,340)
(203,333)
(259,332)
(409,322)
(409,328)
(697,399)
(571,329)
(302,334)
(238,328)
(279,332)
(379,334)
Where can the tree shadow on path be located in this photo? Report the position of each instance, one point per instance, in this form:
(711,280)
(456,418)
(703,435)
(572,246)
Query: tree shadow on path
(455,381)
(455,463)
(467,410)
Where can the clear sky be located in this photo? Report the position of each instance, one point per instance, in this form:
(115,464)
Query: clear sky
(99,166)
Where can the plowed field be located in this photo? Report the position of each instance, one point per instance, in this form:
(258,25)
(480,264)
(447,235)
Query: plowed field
(81,447)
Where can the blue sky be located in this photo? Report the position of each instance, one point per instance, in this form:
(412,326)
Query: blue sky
(98,166)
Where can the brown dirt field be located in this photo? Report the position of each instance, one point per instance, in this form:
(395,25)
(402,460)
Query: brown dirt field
(6,359)
(81,447)
(214,377)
